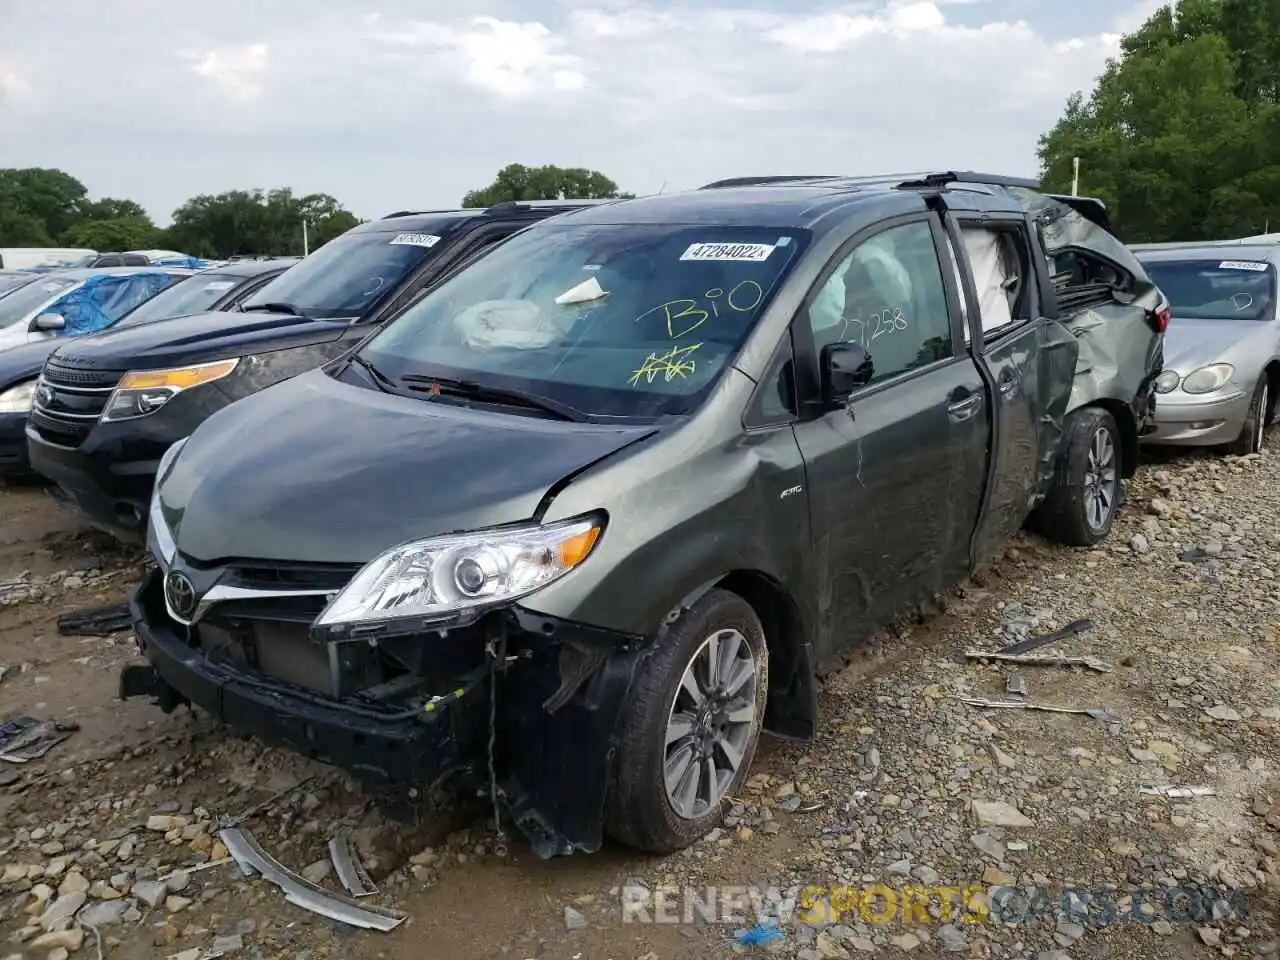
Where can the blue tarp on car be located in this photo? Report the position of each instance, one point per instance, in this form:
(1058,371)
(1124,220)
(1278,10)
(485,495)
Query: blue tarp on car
(193,263)
(103,300)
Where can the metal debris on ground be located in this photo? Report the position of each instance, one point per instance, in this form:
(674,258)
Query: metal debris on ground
(301,892)
(351,872)
(207,865)
(1074,628)
(1017,685)
(1098,713)
(23,739)
(1178,793)
(96,621)
(223,822)
(1041,660)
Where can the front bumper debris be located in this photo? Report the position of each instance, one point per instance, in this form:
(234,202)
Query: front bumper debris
(536,728)
(386,742)
(302,893)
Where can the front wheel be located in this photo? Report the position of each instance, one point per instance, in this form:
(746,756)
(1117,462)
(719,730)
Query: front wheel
(1254,430)
(1085,491)
(692,725)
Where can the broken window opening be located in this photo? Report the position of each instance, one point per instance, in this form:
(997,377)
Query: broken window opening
(999,259)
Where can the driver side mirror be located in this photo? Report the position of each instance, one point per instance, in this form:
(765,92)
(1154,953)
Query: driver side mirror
(49,321)
(845,368)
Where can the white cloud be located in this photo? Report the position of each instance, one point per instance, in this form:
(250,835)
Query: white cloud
(385,109)
(239,69)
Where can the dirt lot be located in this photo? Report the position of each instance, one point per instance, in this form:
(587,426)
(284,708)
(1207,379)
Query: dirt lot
(909,786)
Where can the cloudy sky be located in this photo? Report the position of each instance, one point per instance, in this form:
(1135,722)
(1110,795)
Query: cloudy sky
(388,104)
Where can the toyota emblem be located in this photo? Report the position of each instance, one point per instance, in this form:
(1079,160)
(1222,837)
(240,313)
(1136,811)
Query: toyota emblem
(44,394)
(181,594)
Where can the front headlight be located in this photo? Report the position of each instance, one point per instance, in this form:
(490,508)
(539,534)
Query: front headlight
(1167,382)
(18,399)
(160,535)
(447,575)
(1208,379)
(143,392)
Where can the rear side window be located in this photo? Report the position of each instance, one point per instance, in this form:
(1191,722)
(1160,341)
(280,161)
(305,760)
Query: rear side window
(1000,262)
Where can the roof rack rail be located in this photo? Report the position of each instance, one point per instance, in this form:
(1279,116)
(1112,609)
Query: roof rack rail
(506,206)
(945,177)
(410,213)
(912,180)
(761,181)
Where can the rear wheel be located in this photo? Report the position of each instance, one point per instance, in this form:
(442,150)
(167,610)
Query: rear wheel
(1086,490)
(691,728)
(1253,433)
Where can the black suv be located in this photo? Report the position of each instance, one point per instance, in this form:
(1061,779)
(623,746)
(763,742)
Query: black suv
(602,505)
(108,406)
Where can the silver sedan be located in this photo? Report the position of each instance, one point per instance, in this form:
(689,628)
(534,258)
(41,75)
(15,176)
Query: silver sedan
(1221,376)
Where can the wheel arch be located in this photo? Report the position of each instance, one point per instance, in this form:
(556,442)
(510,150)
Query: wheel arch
(1127,424)
(792,707)
(1272,372)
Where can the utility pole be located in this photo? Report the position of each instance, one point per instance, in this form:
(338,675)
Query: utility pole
(1075,176)
(306,246)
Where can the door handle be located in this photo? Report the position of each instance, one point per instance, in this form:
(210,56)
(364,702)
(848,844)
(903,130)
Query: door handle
(1008,386)
(962,410)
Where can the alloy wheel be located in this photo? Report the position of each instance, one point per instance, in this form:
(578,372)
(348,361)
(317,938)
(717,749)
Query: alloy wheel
(1101,480)
(710,724)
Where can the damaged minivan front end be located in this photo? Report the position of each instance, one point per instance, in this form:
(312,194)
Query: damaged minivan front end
(357,667)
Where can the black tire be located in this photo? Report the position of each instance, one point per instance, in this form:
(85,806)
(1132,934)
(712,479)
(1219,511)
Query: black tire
(1065,516)
(1255,424)
(638,811)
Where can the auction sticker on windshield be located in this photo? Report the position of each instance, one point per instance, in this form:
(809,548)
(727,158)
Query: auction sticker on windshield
(1242,265)
(415,240)
(747,252)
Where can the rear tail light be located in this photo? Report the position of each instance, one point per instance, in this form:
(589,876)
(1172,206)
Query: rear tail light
(1160,317)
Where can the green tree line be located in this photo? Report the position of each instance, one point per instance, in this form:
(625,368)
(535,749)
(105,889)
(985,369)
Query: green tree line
(1181,134)
(42,207)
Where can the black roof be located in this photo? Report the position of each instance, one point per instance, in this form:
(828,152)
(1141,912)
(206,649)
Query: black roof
(250,268)
(804,201)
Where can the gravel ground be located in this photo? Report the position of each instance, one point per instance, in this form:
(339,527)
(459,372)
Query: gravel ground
(1037,820)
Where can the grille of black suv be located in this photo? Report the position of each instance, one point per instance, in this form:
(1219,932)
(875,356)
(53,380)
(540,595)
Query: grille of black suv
(69,401)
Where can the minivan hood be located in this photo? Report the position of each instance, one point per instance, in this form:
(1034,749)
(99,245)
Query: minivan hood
(313,470)
(199,338)
(1191,344)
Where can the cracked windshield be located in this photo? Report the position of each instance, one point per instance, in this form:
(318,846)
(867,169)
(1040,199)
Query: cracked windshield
(616,320)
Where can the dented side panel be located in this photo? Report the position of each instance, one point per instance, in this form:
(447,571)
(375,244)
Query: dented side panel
(895,483)
(700,500)
(1119,353)
(1033,370)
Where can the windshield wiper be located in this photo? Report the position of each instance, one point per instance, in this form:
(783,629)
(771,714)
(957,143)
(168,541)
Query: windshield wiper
(383,381)
(276,306)
(482,393)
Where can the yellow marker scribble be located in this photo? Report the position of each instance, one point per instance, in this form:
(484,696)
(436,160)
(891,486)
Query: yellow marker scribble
(674,363)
